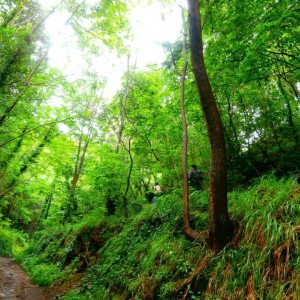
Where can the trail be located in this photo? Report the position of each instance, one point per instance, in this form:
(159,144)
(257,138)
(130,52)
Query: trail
(15,284)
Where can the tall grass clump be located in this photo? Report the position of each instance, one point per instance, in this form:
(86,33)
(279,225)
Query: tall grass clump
(263,261)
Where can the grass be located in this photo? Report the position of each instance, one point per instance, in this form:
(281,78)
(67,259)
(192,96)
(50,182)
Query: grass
(264,264)
(148,257)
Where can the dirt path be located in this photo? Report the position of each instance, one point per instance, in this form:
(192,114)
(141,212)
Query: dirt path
(15,284)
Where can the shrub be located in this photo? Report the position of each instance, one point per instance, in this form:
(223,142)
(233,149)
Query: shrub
(12,242)
(6,242)
(44,274)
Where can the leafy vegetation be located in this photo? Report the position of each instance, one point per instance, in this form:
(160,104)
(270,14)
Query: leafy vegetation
(77,167)
(148,257)
(12,242)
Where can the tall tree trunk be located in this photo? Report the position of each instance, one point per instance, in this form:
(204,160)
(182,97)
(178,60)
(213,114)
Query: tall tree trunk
(72,203)
(125,200)
(290,112)
(220,227)
(231,123)
(188,231)
(123,103)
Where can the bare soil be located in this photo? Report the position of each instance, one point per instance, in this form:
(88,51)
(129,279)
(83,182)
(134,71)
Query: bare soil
(16,285)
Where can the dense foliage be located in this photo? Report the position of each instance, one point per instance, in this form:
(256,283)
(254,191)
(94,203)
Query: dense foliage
(148,257)
(76,167)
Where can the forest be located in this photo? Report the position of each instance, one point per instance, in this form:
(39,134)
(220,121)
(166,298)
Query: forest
(78,166)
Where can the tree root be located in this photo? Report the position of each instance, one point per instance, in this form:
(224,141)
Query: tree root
(195,235)
(201,266)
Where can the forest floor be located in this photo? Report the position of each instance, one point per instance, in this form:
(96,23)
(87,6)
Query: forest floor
(16,285)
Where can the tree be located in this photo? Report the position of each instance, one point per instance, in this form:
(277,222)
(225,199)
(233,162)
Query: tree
(188,231)
(255,83)
(88,96)
(220,227)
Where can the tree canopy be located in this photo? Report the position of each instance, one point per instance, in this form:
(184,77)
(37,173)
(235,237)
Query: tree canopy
(67,150)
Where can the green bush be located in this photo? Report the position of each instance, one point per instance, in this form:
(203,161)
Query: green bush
(12,242)
(44,274)
(6,242)
(148,256)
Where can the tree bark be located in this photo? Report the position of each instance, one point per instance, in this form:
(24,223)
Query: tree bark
(123,103)
(220,227)
(125,200)
(231,123)
(187,229)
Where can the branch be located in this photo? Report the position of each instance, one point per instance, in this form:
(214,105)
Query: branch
(282,53)
(46,17)
(173,59)
(31,129)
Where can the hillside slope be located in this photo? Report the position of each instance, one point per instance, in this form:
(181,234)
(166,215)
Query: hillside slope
(147,256)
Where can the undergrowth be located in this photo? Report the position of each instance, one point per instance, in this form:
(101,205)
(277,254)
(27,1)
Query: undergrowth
(147,256)
(264,263)
(56,252)
(12,242)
